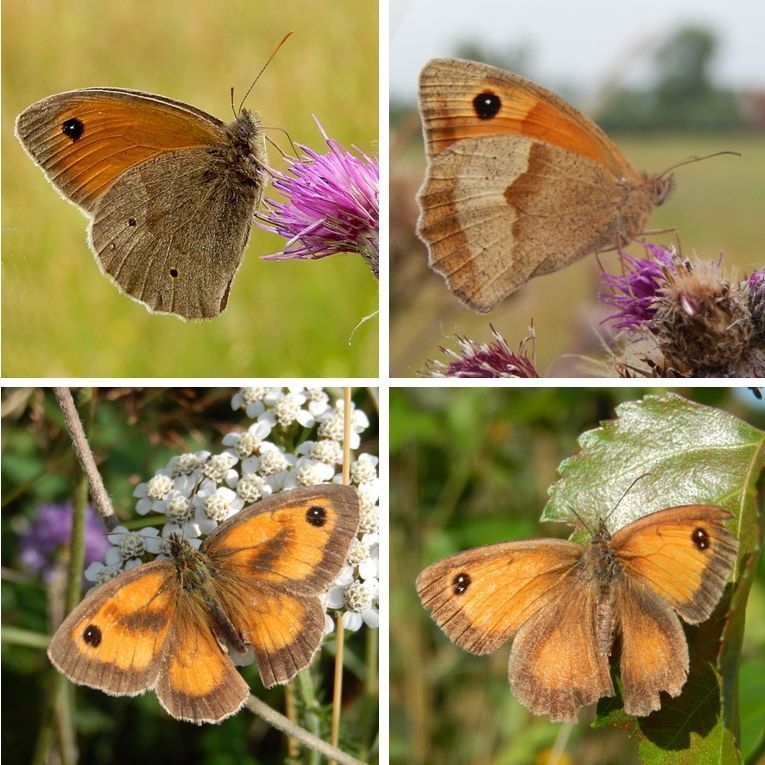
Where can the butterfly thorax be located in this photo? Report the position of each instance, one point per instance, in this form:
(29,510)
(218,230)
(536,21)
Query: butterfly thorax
(197,583)
(245,150)
(605,571)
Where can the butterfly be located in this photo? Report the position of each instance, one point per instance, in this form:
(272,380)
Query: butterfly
(564,604)
(170,190)
(519,182)
(255,586)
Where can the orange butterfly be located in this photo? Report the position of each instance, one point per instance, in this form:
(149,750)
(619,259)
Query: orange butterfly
(563,603)
(255,584)
(519,182)
(170,189)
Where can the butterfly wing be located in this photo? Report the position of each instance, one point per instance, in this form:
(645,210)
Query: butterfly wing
(654,654)
(171,232)
(198,682)
(274,563)
(684,554)
(448,92)
(117,638)
(85,139)
(679,558)
(556,665)
(519,183)
(481,597)
(491,222)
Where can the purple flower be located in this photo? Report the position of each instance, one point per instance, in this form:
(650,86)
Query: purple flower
(634,293)
(51,529)
(332,205)
(494,359)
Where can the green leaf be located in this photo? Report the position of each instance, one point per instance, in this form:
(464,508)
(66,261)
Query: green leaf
(661,452)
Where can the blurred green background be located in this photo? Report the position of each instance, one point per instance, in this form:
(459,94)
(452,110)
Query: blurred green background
(60,316)
(471,467)
(133,432)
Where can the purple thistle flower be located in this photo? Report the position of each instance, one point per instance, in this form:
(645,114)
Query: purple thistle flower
(51,529)
(494,359)
(634,293)
(332,205)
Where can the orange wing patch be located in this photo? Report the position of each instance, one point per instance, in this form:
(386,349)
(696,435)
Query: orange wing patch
(298,539)
(555,666)
(199,682)
(285,633)
(448,93)
(654,650)
(685,554)
(84,140)
(116,638)
(481,597)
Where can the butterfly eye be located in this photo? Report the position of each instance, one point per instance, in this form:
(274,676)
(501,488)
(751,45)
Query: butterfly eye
(73,128)
(700,538)
(316,516)
(486,105)
(460,583)
(92,635)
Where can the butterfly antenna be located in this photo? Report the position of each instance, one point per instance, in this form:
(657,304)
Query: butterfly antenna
(628,490)
(233,108)
(581,520)
(694,158)
(263,68)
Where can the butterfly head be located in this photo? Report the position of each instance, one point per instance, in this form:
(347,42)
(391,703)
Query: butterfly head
(661,187)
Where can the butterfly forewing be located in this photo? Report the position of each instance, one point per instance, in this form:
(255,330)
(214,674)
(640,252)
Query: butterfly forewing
(117,638)
(85,139)
(481,597)
(685,554)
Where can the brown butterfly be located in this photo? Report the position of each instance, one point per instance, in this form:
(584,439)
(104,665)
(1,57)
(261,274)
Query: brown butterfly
(254,586)
(519,183)
(169,189)
(563,604)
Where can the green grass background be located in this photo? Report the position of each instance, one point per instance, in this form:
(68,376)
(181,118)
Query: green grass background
(716,207)
(60,316)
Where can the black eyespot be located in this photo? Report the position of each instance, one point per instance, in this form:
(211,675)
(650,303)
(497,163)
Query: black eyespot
(316,516)
(92,635)
(132,222)
(486,105)
(700,538)
(73,128)
(173,272)
(460,583)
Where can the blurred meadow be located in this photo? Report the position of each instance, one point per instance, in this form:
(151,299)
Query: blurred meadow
(472,466)
(61,317)
(133,433)
(715,207)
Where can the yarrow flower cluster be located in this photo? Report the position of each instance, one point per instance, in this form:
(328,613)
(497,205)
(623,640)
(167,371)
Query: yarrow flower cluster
(332,205)
(197,491)
(683,318)
(493,359)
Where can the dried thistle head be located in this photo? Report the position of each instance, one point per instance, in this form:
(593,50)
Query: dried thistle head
(755,293)
(702,321)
